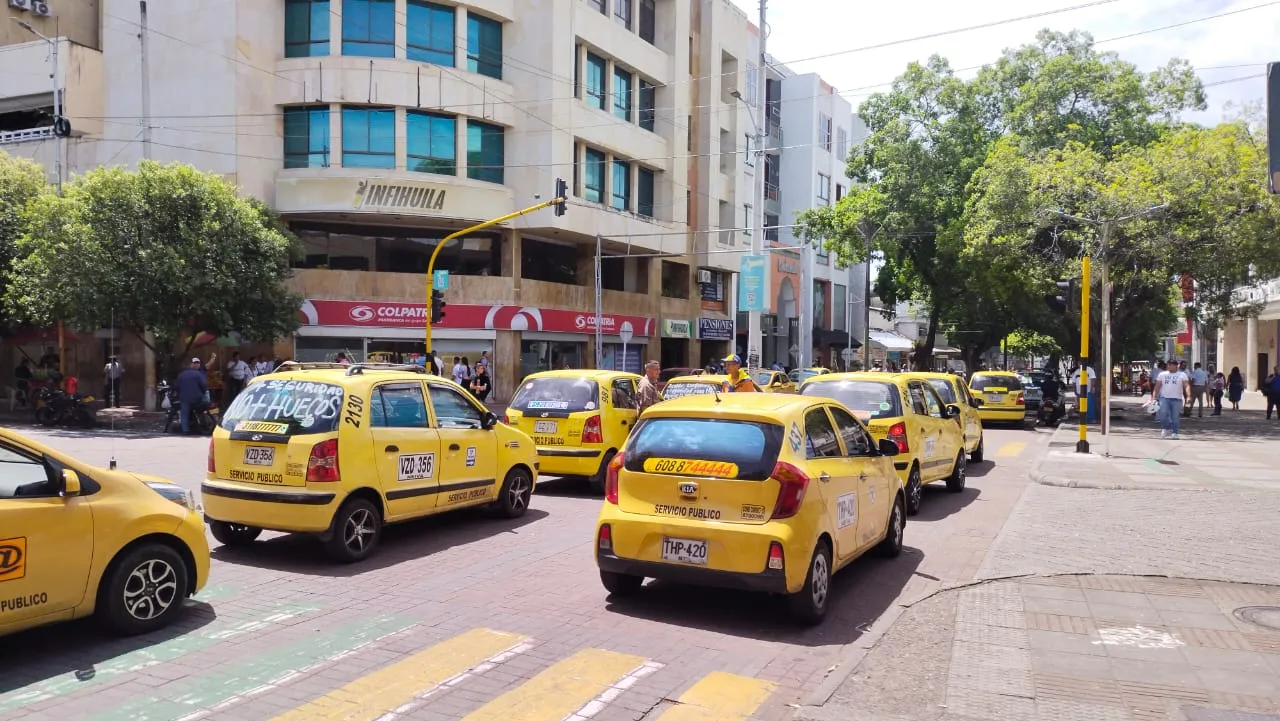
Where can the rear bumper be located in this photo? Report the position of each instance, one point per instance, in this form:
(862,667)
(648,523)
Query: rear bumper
(296,510)
(1005,414)
(569,461)
(767,581)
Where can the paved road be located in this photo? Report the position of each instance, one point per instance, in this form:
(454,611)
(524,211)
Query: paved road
(467,617)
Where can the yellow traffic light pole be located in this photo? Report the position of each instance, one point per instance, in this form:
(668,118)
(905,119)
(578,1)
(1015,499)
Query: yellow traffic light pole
(431,265)
(1082,391)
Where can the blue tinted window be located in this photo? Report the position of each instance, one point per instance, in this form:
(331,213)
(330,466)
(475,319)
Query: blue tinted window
(644,192)
(752,446)
(369,28)
(621,185)
(306,28)
(429,33)
(648,105)
(432,142)
(368,138)
(622,93)
(595,89)
(485,151)
(593,177)
(484,46)
(306,137)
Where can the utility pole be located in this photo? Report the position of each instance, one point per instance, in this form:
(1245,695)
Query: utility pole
(600,303)
(868,235)
(755,340)
(146,79)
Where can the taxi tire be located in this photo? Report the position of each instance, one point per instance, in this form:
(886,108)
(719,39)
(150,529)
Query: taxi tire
(976,456)
(234,534)
(955,481)
(508,505)
(113,614)
(596,482)
(621,585)
(360,512)
(891,546)
(804,607)
(915,490)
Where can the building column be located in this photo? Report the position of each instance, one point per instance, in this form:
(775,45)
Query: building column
(1251,353)
(1222,350)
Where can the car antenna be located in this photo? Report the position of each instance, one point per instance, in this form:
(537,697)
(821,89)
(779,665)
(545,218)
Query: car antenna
(716,391)
(110,394)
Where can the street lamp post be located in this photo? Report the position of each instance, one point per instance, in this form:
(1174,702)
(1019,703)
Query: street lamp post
(57,98)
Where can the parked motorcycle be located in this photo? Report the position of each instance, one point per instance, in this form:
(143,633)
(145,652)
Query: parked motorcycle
(55,407)
(1051,412)
(204,416)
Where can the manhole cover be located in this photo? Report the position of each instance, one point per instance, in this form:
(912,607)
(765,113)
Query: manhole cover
(1267,617)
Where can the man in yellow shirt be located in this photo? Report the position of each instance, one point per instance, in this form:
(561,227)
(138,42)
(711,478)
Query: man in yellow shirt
(739,380)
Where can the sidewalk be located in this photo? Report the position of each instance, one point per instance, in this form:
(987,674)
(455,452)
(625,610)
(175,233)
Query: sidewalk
(1234,450)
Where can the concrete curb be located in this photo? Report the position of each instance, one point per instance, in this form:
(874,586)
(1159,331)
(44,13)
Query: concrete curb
(851,656)
(1039,475)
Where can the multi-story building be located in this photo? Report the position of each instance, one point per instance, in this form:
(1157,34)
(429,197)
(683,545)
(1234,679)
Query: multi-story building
(1250,344)
(377,127)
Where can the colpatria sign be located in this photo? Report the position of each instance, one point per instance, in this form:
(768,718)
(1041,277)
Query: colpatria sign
(378,195)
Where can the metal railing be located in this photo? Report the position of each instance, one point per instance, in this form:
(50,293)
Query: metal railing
(24,136)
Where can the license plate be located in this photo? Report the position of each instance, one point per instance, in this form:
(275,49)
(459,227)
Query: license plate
(259,456)
(684,550)
(546,427)
(995,398)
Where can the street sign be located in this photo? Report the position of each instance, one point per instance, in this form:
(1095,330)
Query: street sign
(440,280)
(848,354)
(626,332)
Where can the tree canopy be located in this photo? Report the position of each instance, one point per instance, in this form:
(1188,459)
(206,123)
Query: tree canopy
(21,182)
(167,250)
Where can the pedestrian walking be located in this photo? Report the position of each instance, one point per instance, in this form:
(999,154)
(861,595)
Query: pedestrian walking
(113,372)
(1173,388)
(481,384)
(1218,387)
(1235,387)
(647,391)
(1199,385)
(1271,388)
(192,387)
(461,371)
(1091,390)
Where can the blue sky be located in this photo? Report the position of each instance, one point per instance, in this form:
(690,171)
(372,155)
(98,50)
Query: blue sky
(1222,49)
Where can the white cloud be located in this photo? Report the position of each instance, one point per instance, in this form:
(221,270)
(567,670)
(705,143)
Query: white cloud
(1221,49)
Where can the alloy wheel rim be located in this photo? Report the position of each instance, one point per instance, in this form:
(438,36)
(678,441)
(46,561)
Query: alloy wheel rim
(916,487)
(359,530)
(519,492)
(963,467)
(821,580)
(150,589)
(897,524)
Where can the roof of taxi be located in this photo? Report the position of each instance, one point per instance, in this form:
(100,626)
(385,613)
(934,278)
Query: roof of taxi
(591,373)
(765,404)
(705,379)
(857,376)
(347,374)
(995,373)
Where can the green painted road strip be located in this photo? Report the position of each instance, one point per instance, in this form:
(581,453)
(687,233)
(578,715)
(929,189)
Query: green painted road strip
(216,592)
(145,657)
(245,676)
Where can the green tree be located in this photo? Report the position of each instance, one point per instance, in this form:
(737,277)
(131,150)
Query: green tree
(21,183)
(167,250)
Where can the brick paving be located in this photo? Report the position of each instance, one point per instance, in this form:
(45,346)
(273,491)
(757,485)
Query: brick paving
(278,626)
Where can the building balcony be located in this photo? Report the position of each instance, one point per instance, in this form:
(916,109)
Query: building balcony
(774,140)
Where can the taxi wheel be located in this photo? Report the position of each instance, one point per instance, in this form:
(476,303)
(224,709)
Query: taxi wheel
(143,590)
(234,534)
(620,584)
(915,491)
(596,482)
(513,499)
(955,481)
(891,546)
(356,530)
(809,606)
(976,456)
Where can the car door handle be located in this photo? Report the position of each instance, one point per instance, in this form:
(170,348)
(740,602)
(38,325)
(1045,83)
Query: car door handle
(393,449)
(862,477)
(824,477)
(624,423)
(454,447)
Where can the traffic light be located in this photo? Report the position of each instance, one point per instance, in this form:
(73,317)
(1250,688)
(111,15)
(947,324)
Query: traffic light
(562,192)
(1065,296)
(437,307)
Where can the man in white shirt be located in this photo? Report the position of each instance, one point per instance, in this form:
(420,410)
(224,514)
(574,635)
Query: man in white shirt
(1199,384)
(1091,392)
(238,375)
(1173,388)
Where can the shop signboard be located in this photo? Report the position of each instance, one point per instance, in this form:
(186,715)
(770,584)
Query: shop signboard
(387,314)
(672,328)
(715,329)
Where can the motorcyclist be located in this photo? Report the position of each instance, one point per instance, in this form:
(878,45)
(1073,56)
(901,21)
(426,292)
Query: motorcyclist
(1051,408)
(739,380)
(1051,388)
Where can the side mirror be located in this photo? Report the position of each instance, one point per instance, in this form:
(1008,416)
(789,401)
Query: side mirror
(490,420)
(953,410)
(976,401)
(70,483)
(887,447)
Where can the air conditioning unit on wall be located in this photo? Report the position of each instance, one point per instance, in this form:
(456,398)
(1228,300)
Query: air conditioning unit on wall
(704,276)
(20,4)
(40,7)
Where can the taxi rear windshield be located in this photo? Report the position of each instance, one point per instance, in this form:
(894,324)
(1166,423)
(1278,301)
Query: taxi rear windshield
(752,446)
(982,382)
(944,389)
(871,399)
(678,390)
(305,407)
(567,395)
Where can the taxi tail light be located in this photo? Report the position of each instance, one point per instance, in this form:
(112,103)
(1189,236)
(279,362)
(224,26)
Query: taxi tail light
(611,479)
(506,418)
(591,431)
(604,541)
(898,434)
(1021,401)
(213,468)
(793,483)
(775,556)
(322,466)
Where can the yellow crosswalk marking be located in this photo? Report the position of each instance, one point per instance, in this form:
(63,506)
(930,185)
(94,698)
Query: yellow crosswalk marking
(389,688)
(720,696)
(561,689)
(1011,449)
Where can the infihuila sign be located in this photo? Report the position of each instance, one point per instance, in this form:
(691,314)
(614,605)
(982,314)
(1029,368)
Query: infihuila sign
(397,196)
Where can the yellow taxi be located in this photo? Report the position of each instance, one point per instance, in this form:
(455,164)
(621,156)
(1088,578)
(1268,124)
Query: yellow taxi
(800,375)
(954,391)
(77,540)
(339,451)
(750,491)
(774,381)
(578,419)
(701,384)
(908,412)
(1002,395)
